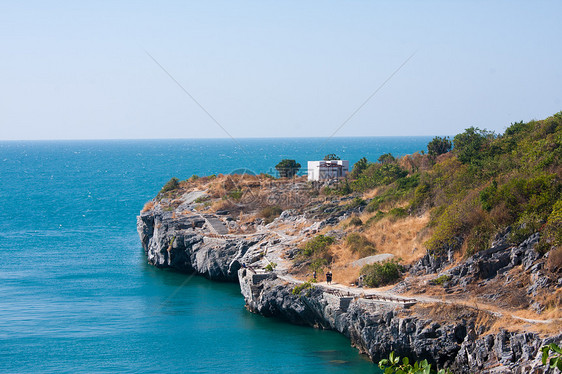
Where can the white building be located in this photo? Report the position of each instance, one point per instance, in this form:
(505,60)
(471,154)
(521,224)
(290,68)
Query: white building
(322,170)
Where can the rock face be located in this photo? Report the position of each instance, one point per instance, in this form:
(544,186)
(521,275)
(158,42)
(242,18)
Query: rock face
(378,328)
(189,242)
(186,245)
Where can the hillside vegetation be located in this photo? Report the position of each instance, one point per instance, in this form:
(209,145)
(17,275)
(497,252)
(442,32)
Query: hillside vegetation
(487,184)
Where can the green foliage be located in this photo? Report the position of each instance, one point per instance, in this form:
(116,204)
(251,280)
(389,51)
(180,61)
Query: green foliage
(271,266)
(171,185)
(378,175)
(356,203)
(331,156)
(318,264)
(393,365)
(317,245)
(553,227)
(302,287)
(359,167)
(269,213)
(469,144)
(235,194)
(439,145)
(287,168)
(377,274)
(201,199)
(396,213)
(193,178)
(360,244)
(442,279)
(387,158)
(552,356)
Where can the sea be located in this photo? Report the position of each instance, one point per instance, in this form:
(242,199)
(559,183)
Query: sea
(77,294)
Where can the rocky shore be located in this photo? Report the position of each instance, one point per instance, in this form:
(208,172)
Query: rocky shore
(447,335)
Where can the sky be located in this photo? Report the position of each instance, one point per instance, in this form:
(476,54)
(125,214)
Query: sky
(82,70)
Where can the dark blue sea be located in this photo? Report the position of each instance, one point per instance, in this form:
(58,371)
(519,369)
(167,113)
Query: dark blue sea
(76,293)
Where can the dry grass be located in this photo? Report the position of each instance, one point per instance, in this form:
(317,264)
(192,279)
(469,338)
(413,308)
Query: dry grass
(402,237)
(554,262)
(148,206)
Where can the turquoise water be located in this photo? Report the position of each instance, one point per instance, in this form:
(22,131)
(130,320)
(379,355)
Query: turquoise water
(77,295)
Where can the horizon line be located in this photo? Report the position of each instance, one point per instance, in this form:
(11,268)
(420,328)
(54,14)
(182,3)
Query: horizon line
(222,138)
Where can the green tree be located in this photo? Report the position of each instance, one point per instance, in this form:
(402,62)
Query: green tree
(359,167)
(331,156)
(287,168)
(387,158)
(469,144)
(439,145)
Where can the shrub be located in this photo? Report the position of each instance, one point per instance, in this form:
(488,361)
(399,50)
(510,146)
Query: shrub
(554,262)
(442,279)
(269,213)
(377,274)
(171,185)
(317,245)
(397,213)
(552,356)
(318,264)
(360,244)
(270,267)
(356,203)
(235,194)
(302,287)
(392,365)
(359,167)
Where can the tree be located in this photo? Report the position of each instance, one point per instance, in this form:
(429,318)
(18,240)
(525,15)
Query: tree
(359,167)
(287,168)
(468,145)
(387,158)
(439,145)
(331,156)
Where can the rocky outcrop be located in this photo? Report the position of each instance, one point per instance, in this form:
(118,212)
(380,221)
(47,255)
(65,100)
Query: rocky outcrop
(377,328)
(187,244)
(184,240)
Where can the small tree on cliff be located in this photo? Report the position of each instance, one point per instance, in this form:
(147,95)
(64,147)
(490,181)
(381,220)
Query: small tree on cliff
(287,168)
(439,145)
(331,156)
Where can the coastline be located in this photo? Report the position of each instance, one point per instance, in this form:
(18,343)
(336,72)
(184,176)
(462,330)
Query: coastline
(188,242)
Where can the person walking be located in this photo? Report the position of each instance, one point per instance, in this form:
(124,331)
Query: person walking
(329,277)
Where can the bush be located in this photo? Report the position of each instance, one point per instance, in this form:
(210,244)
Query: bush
(392,365)
(360,244)
(269,213)
(171,185)
(317,245)
(376,275)
(442,279)
(270,267)
(302,287)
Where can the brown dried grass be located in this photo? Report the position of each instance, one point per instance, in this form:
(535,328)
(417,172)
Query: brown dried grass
(148,206)
(403,238)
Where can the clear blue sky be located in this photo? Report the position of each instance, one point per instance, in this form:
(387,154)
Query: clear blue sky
(78,70)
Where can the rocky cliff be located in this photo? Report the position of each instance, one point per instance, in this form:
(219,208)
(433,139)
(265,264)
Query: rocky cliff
(180,234)
(376,328)
(188,244)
